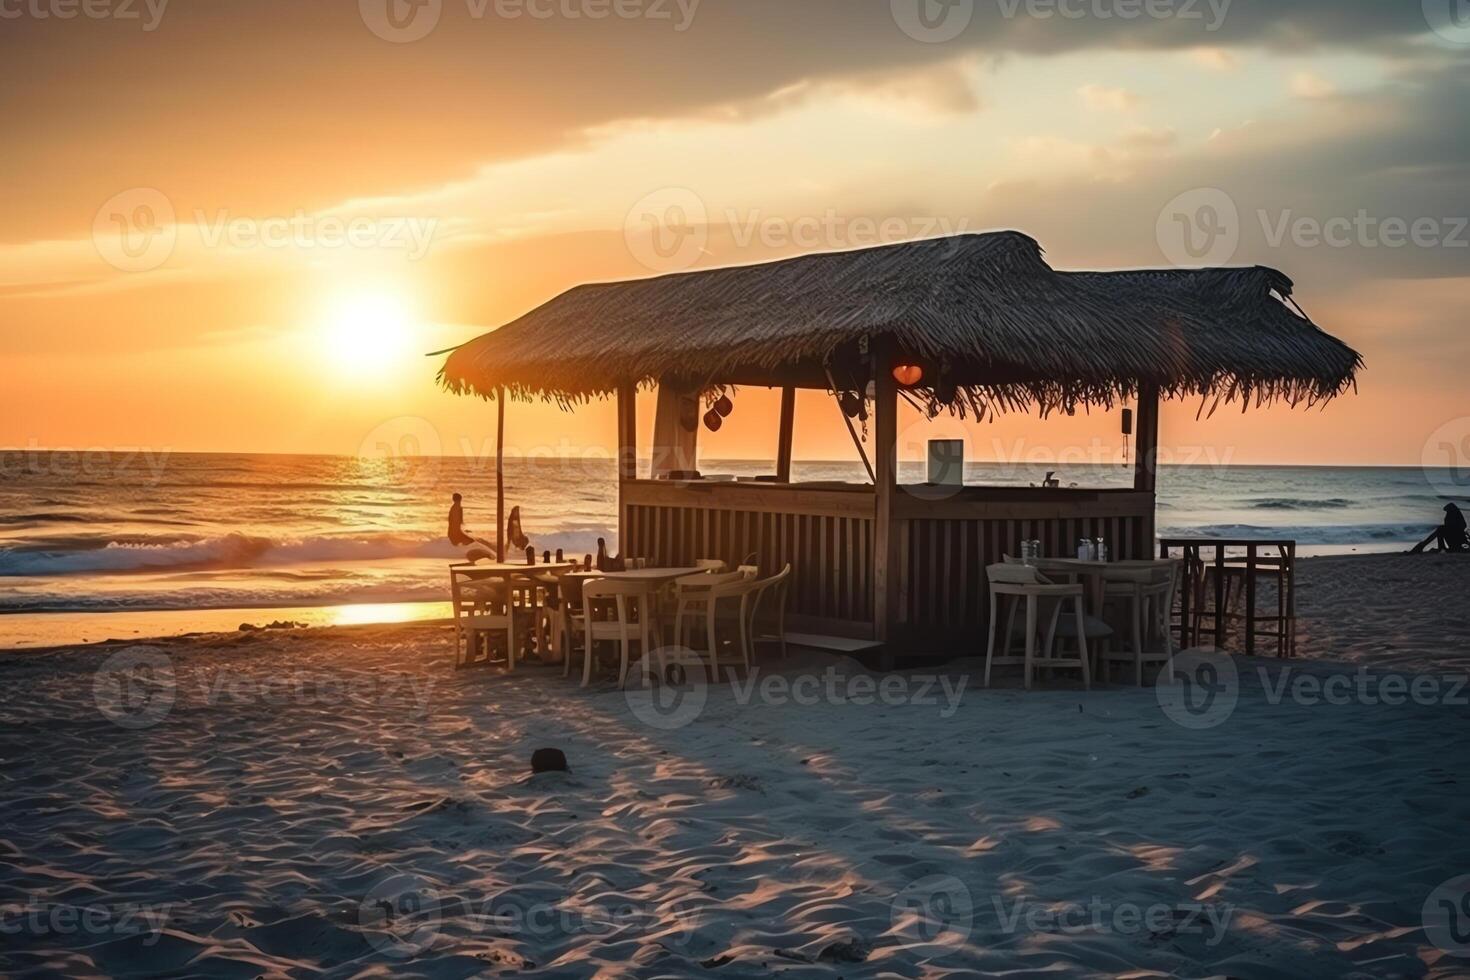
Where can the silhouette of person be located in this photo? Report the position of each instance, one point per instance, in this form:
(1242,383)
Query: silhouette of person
(1450,535)
(458,533)
(514,536)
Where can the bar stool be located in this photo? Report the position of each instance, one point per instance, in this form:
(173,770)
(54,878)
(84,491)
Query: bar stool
(1232,574)
(1145,591)
(1018,581)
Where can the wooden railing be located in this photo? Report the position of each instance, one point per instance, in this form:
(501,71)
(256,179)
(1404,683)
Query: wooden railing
(825,534)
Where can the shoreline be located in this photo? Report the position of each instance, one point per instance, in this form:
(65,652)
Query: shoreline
(28,632)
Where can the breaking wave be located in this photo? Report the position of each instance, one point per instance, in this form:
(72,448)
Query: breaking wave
(246,551)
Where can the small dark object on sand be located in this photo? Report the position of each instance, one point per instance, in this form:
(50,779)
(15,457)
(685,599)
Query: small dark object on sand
(548,760)
(278,624)
(845,951)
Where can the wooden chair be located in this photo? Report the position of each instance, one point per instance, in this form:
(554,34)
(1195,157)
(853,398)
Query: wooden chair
(570,619)
(483,607)
(1025,582)
(689,593)
(1145,592)
(553,614)
(612,609)
(699,596)
(770,599)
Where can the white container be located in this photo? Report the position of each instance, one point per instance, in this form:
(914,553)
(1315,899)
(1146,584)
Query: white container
(947,462)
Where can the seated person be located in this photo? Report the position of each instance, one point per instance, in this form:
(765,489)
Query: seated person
(1450,535)
(458,533)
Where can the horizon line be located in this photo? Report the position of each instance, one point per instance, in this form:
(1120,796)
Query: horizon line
(714,459)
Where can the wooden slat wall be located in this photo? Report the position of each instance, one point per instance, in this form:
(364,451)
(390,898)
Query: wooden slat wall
(943,585)
(942,547)
(830,549)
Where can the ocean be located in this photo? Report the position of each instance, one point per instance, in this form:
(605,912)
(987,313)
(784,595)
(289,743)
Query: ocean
(88,538)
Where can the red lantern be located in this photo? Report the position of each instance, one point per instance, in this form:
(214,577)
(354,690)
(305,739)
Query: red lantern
(908,375)
(724,405)
(712,420)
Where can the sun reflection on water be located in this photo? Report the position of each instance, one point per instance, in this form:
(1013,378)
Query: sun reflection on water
(386,612)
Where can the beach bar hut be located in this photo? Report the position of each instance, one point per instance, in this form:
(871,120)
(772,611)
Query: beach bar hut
(976,324)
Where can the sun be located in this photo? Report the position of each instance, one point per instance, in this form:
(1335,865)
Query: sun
(368,333)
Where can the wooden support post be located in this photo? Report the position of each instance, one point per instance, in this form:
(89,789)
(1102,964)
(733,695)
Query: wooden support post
(783,438)
(500,475)
(627,453)
(1146,440)
(885,478)
(1146,453)
(674,447)
(1145,463)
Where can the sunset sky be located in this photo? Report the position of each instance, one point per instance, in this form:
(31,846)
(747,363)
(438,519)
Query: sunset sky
(238,226)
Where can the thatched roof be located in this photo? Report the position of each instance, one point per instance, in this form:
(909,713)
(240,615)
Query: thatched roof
(983,310)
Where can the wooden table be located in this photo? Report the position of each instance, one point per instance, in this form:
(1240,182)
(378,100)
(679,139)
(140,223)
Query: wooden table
(657,576)
(1190,547)
(1090,569)
(652,580)
(502,569)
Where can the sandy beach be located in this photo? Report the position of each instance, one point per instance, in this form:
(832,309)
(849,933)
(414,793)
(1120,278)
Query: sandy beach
(340,802)
(392,393)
